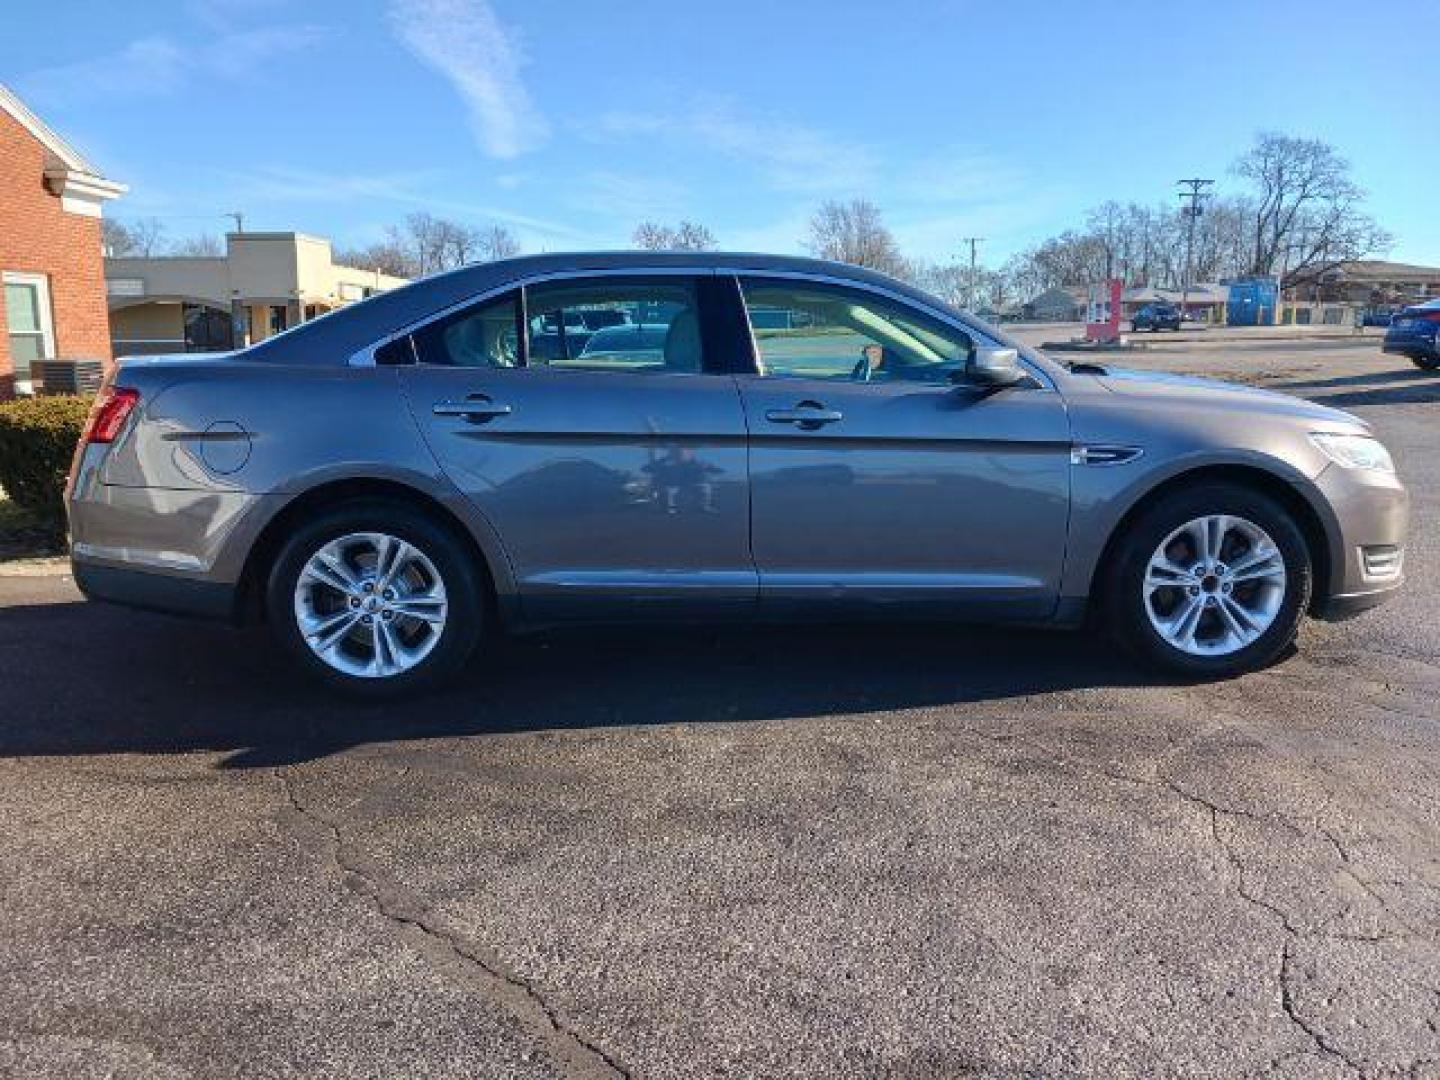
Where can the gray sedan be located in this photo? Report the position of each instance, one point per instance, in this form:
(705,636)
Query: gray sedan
(752,437)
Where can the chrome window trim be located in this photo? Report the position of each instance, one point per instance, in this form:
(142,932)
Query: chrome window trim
(940,315)
(366,357)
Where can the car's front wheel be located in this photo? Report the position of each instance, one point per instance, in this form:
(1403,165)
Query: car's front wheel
(1426,361)
(1210,581)
(376,598)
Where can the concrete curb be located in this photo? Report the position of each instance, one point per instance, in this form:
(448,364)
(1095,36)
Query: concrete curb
(50,566)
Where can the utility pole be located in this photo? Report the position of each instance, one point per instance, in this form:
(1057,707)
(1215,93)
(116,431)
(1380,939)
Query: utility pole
(1196,194)
(974,242)
(239,216)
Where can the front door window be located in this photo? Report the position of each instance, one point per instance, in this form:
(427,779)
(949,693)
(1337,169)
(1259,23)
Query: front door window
(819,332)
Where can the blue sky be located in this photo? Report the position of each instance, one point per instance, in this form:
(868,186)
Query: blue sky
(570,120)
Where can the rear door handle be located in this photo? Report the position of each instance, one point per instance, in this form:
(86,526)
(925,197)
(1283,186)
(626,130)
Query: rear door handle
(808,415)
(476,408)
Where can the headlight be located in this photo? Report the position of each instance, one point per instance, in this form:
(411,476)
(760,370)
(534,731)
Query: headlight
(1354,451)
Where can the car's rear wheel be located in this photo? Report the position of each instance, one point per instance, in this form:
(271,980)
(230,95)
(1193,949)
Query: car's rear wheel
(377,599)
(1210,581)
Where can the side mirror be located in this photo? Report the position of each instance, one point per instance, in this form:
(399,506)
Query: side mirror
(994,367)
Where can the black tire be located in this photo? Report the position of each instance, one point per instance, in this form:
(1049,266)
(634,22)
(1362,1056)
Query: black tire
(1426,362)
(467,618)
(1123,601)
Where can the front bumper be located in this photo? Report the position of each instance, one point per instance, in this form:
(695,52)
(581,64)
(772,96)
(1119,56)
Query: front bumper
(1348,605)
(1371,518)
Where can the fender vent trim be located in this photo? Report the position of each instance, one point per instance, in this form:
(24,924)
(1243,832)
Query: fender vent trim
(1104,454)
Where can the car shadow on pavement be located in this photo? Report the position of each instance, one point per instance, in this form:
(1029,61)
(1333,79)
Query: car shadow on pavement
(1410,375)
(1402,387)
(88,679)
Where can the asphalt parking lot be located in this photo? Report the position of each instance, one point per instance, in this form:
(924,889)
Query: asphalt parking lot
(832,851)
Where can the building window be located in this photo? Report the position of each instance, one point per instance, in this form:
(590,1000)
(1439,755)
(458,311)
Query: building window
(277,318)
(27,319)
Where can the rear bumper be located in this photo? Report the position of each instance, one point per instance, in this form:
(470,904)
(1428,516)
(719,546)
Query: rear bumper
(150,591)
(1413,347)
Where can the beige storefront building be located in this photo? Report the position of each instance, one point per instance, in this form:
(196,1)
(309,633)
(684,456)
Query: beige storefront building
(265,282)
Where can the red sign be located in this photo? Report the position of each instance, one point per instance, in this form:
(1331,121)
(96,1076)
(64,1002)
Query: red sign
(1102,316)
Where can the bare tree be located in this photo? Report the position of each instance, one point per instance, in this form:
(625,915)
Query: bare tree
(1306,217)
(497,242)
(687,236)
(142,236)
(202,245)
(649,236)
(426,244)
(853,232)
(387,257)
(692,236)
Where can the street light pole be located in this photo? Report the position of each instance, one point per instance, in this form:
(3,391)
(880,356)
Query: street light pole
(1195,195)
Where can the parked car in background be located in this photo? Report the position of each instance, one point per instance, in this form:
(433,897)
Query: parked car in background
(1156,317)
(1415,333)
(641,345)
(392,485)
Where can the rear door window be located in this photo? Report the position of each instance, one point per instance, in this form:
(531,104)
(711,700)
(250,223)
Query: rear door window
(616,323)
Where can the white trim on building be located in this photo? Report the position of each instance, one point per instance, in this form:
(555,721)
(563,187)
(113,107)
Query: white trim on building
(68,174)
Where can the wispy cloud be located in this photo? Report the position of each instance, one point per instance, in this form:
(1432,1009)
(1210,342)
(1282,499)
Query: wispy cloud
(405,191)
(624,199)
(286,184)
(791,156)
(958,177)
(224,14)
(159,65)
(465,42)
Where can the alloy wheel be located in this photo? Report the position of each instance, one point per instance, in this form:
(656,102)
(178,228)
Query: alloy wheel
(1214,585)
(370,605)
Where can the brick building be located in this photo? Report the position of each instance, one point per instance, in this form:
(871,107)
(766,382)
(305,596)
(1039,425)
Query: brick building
(50,253)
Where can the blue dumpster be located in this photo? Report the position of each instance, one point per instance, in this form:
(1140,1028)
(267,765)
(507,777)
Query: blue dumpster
(1252,302)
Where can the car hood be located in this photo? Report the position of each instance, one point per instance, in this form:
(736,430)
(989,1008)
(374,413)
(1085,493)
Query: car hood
(1164,388)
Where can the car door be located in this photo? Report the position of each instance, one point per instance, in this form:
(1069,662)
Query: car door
(611,463)
(877,478)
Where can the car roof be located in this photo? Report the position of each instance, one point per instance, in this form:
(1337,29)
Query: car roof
(350,329)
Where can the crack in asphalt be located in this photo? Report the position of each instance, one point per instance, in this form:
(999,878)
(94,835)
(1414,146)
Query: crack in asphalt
(1287,1002)
(1214,811)
(1312,1030)
(584,1057)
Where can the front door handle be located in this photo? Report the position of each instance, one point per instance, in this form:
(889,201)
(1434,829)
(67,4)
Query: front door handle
(475,408)
(808,415)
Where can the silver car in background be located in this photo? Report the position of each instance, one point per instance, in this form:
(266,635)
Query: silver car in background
(625,437)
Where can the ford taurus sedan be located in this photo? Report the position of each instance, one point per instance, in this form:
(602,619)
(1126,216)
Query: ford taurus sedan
(765,438)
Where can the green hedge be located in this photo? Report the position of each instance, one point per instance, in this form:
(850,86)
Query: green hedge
(37,441)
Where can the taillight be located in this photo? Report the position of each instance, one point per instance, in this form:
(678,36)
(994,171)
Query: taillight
(113,406)
(1429,316)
